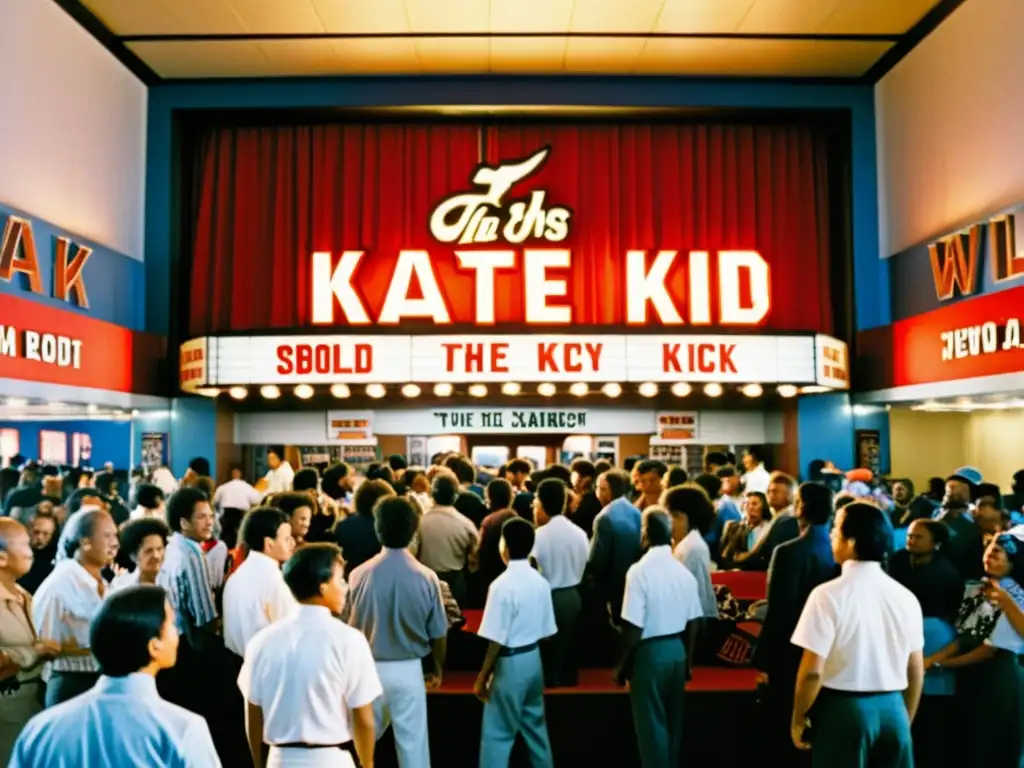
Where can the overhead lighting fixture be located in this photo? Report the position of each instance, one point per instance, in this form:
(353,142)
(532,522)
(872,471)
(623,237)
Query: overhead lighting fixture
(681,389)
(443,390)
(787,390)
(17,402)
(579,389)
(270,391)
(91,408)
(411,390)
(612,389)
(135,412)
(340,391)
(208,392)
(511,388)
(752,390)
(714,389)
(376,391)
(303,391)
(648,389)
(814,390)
(547,389)
(56,405)
(477,390)
(239,393)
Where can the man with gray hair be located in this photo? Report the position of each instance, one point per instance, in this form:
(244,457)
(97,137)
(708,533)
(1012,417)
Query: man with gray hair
(661,603)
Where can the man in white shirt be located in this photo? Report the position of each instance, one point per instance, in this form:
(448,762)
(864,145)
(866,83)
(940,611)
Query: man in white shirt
(149,502)
(518,615)
(692,516)
(256,596)
(862,668)
(561,549)
(235,493)
(756,477)
(279,477)
(660,604)
(309,680)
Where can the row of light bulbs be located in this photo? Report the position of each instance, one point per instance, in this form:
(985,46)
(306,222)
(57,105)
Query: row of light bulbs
(579,389)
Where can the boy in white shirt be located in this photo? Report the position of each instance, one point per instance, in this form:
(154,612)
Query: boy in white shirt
(518,615)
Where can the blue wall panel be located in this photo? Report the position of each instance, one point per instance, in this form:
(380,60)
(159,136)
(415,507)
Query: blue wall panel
(826,425)
(111,440)
(193,425)
(114,283)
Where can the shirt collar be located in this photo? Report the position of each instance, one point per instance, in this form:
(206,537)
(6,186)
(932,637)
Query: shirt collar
(18,595)
(136,684)
(313,612)
(519,565)
(663,550)
(855,567)
(261,560)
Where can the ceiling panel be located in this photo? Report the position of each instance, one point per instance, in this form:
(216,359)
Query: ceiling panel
(392,56)
(801,17)
(448,15)
(527,55)
(275,17)
(362,16)
(176,60)
(531,15)
(168,17)
(876,16)
(440,55)
(681,16)
(758,58)
(615,15)
(589,55)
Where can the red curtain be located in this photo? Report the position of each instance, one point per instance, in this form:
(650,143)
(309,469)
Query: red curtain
(269,197)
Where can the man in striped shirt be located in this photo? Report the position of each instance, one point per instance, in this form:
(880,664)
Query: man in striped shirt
(190,518)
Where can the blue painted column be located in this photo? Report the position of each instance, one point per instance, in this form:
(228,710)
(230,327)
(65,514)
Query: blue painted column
(193,432)
(826,425)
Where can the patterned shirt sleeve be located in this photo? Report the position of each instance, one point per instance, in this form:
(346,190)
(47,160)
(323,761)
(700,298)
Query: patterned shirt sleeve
(198,597)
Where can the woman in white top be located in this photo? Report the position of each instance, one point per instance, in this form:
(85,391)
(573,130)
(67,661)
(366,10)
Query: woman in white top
(69,598)
(144,543)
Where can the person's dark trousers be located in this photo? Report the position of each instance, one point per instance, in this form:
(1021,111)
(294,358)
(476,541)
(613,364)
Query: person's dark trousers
(860,730)
(230,740)
(456,580)
(935,732)
(558,652)
(657,692)
(777,703)
(66,685)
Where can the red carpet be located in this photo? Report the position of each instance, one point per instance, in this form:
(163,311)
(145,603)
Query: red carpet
(705,680)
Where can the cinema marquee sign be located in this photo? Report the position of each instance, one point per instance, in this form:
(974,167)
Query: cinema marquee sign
(497,226)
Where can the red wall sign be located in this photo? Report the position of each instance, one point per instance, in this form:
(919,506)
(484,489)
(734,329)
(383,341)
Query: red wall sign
(976,337)
(52,346)
(438,228)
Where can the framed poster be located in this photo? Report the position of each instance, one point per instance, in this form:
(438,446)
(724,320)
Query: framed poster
(53,447)
(416,451)
(10,445)
(81,449)
(868,444)
(156,450)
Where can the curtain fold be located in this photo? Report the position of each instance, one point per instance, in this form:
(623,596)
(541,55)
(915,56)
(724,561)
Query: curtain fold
(271,196)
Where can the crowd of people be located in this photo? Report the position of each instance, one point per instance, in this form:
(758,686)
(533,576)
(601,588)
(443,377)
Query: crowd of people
(294,621)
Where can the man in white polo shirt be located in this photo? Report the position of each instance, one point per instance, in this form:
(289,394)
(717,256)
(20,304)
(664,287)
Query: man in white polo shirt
(862,669)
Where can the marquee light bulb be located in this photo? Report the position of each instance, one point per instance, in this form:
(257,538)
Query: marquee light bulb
(612,389)
(579,389)
(713,390)
(376,391)
(787,390)
(17,402)
(303,391)
(547,389)
(239,393)
(443,390)
(648,389)
(511,388)
(752,390)
(270,392)
(814,390)
(681,389)
(477,390)
(208,392)
(340,391)
(411,390)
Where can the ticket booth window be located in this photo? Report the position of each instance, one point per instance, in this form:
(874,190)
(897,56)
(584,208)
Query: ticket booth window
(538,454)
(490,456)
(444,444)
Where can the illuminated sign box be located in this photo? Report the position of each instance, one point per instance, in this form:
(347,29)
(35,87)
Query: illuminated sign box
(330,359)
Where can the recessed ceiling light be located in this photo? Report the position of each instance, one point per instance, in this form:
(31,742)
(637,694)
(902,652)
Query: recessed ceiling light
(579,389)
(753,390)
(239,393)
(208,392)
(681,389)
(411,390)
(17,402)
(270,392)
(787,390)
(714,389)
(612,389)
(443,390)
(303,391)
(376,391)
(511,388)
(547,389)
(340,391)
(477,390)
